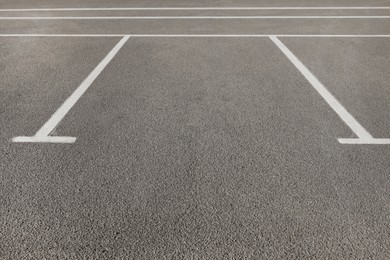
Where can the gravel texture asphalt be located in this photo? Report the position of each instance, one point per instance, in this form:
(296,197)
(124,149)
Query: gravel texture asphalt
(194,148)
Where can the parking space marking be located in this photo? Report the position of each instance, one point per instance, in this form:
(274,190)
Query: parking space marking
(43,134)
(207,35)
(364,137)
(198,8)
(193,17)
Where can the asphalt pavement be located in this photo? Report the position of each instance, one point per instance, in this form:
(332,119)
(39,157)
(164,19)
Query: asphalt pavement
(195,147)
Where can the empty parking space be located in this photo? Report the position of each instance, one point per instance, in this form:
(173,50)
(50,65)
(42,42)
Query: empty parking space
(181,77)
(194,138)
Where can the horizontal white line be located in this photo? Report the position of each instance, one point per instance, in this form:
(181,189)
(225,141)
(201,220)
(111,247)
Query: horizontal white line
(44,139)
(364,140)
(63,35)
(199,8)
(206,35)
(188,17)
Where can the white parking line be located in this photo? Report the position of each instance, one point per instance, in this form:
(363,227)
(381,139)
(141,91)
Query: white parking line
(191,17)
(364,137)
(207,35)
(198,8)
(43,134)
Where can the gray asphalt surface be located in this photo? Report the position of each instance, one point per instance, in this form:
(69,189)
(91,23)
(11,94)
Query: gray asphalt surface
(194,148)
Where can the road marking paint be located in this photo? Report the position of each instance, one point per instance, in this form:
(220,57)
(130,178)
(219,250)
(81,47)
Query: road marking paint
(207,35)
(364,137)
(44,139)
(198,8)
(364,141)
(43,133)
(189,17)
(64,35)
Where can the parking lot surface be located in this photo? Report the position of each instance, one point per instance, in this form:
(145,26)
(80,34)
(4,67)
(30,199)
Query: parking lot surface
(182,130)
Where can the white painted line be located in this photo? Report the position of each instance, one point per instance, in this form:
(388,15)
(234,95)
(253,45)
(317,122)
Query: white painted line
(43,133)
(63,35)
(363,141)
(44,139)
(260,35)
(190,17)
(207,35)
(198,8)
(364,137)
